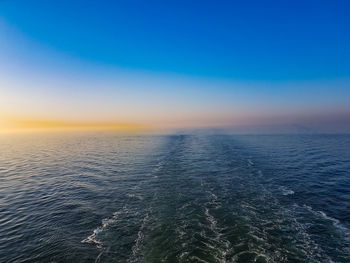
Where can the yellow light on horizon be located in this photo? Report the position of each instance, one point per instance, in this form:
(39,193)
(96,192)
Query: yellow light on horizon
(16,124)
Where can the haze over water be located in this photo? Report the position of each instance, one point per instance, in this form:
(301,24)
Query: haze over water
(175,198)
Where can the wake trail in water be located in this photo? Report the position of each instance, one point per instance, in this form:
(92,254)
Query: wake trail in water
(224,211)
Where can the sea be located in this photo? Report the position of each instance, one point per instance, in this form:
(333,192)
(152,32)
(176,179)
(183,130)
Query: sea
(174,198)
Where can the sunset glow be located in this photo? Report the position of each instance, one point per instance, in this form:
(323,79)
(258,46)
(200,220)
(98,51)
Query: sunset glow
(129,77)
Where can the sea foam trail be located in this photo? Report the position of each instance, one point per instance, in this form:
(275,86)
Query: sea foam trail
(140,237)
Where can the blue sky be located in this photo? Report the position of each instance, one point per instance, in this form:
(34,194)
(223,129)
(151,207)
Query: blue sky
(199,62)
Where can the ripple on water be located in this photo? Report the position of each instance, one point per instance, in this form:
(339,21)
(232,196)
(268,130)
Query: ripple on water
(178,199)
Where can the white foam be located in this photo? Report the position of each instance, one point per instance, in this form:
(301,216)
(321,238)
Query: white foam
(197,259)
(211,219)
(217,239)
(286,191)
(134,196)
(183,254)
(140,236)
(334,221)
(246,205)
(93,238)
(250,162)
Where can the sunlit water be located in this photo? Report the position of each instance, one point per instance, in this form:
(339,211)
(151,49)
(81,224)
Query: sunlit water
(180,198)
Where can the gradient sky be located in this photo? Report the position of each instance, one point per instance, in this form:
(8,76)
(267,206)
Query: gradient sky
(174,64)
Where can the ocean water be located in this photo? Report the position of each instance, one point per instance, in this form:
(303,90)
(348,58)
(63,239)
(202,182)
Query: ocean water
(175,198)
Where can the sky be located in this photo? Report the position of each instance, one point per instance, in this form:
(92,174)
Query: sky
(174,64)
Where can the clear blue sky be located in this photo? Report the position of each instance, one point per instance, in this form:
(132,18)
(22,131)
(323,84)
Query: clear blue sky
(276,55)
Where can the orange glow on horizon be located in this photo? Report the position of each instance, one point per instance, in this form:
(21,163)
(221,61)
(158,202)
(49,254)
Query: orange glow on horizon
(16,124)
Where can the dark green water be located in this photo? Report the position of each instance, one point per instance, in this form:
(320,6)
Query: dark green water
(180,198)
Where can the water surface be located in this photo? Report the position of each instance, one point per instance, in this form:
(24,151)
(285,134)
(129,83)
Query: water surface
(175,198)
